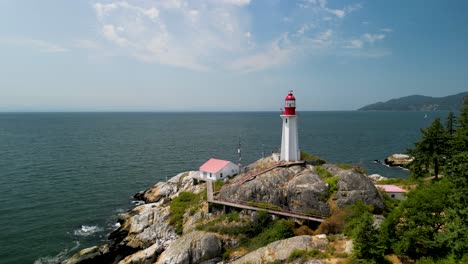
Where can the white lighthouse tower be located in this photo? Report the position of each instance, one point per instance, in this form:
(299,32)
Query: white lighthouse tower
(290,140)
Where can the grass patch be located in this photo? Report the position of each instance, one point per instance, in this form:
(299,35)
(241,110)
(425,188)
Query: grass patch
(332,184)
(217,185)
(322,172)
(312,159)
(180,205)
(303,255)
(344,166)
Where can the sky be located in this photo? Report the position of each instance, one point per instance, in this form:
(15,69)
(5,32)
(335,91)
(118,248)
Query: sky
(227,55)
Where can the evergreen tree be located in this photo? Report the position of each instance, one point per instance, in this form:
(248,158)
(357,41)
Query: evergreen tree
(464,113)
(457,214)
(460,140)
(450,123)
(415,227)
(431,151)
(366,241)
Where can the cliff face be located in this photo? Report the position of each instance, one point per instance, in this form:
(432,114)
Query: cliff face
(146,235)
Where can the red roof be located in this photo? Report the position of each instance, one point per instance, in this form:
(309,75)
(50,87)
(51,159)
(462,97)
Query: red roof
(214,165)
(290,96)
(390,188)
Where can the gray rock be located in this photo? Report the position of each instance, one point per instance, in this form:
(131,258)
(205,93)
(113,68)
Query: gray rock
(308,193)
(296,188)
(145,256)
(353,187)
(377,177)
(89,255)
(281,250)
(195,247)
(398,160)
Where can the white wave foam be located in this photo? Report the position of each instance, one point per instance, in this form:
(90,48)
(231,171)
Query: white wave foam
(138,202)
(57,258)
(87,230)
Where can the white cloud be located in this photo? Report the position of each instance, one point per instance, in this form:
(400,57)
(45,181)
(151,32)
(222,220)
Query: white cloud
(367,39)
(279,52)
(152,13)
(355,44)
(337,12)
(372,38)
(304,28)
(234,2)
(110,33)
(40,45)
(324,39)
(218,34)
(388,30)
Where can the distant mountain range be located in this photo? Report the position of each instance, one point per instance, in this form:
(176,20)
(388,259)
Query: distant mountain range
(419,103)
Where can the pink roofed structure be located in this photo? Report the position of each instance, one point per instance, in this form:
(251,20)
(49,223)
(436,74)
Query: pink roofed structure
(392,190)
(217,169)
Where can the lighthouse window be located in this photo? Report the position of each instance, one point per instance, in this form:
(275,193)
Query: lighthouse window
(286,120)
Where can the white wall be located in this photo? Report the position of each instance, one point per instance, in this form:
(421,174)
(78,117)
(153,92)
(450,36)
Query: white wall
(290,139)
(228,170)
(398,196)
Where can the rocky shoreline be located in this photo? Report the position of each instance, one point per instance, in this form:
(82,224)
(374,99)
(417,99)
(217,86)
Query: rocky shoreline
(147,235)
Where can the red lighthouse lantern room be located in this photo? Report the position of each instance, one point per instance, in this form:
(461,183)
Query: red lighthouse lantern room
(289,104)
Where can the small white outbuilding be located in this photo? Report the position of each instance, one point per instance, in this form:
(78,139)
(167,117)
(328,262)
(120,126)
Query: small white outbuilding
(393,191)
(216,169)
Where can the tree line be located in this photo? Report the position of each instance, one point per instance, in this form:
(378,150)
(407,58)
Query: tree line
(431,224)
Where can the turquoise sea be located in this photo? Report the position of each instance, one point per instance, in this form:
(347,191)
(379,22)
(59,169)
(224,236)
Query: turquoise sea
(65,177)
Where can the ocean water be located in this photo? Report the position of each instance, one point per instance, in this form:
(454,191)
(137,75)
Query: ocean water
(65,177)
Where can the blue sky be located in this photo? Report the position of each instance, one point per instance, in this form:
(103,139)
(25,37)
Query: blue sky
(227,55)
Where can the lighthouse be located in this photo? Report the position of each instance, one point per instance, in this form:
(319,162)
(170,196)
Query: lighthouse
(289,139)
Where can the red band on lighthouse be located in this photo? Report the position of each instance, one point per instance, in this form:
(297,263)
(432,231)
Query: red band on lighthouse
(289,104)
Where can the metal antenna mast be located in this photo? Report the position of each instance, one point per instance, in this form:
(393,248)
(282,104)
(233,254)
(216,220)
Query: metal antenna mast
(239,152)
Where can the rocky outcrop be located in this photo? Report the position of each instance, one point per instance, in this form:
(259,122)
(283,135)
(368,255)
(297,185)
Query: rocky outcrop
(145,235)
(90,255)
(398,160)
(168,189)
(308,193)
(353,187)
(281,250)
(295,188)
(195,247)
(377,177)
(144,226)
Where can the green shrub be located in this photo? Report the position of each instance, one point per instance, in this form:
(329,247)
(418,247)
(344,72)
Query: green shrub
(322,172)
(332,184)
(312,159)
(179,206)
(217,185)
(344,166)
(233,216)
(277,230)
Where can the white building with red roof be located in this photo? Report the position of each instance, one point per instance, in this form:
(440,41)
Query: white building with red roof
(392,190)
(216,169)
